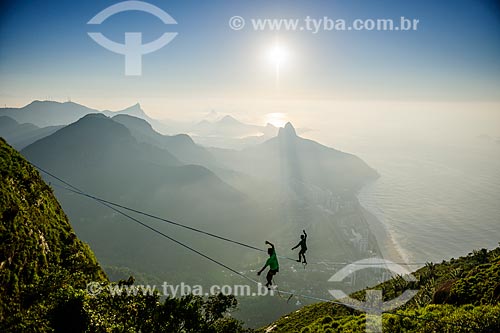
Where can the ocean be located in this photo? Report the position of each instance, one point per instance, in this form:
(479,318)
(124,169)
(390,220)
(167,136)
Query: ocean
(436,200)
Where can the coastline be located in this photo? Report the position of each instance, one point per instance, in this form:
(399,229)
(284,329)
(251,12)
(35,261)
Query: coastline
(386,243)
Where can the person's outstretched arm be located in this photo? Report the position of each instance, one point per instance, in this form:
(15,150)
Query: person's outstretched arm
(269,243)
(296,246)
(304,233)
(263,268)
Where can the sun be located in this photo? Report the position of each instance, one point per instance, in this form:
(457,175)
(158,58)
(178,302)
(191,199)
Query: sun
(278,56)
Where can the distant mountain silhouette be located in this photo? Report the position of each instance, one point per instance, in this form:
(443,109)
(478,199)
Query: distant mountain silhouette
(181,145)
(99,149)
(22,135)
(211,115)
(230,127)
(136,111)
(50,113)
(6,123)
(288,158)
(47,113)
(288,131)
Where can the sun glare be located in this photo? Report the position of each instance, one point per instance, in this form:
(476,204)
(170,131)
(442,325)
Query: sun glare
(278,56)
(276,119)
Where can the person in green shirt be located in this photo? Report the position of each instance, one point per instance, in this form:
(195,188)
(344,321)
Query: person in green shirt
(272,262)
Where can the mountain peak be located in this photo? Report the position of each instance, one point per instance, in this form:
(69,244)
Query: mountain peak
(287,131)
(228,120)
(37,103)
(136,106)
(94,116)
(134,110)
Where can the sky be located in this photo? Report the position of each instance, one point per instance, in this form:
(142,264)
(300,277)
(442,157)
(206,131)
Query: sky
(453,57)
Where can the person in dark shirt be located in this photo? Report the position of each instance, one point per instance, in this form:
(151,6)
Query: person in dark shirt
(303,247)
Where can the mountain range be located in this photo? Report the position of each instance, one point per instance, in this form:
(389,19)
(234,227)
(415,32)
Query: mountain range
(217,131)
(47,113)
(51,113)
(101,156)
(289,159)
(229,127)
(230,133)
(181,145)
(22,135)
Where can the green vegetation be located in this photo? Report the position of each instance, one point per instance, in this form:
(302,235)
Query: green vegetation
(461,295)
(39,251)
(45,269)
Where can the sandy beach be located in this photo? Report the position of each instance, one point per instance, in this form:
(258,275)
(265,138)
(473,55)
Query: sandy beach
(388,247)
